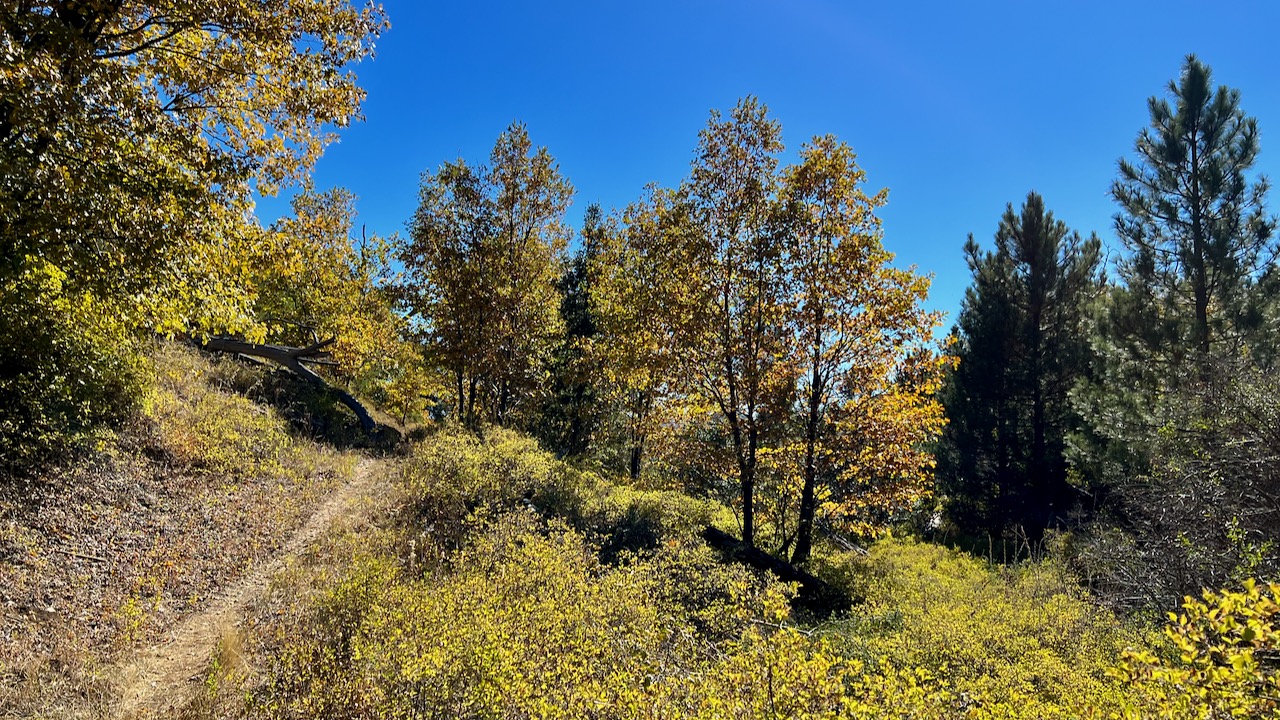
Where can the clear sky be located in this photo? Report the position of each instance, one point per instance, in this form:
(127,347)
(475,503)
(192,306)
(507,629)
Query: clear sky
(957,107)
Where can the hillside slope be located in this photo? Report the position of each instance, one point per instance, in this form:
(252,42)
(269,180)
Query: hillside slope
(108,555)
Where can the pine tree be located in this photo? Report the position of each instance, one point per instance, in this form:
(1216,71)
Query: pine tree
(571,413)
(1022,346)
(1187,339)
(1194,227)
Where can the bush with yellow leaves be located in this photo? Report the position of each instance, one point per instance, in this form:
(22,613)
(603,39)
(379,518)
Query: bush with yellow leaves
(507,606)
(1219,659)
(1016,642)
(523,621)
(455,472)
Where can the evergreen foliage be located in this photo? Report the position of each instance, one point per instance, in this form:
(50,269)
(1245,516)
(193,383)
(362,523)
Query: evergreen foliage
(1186,349)
(1022,345)
(571,415)
(1195,229)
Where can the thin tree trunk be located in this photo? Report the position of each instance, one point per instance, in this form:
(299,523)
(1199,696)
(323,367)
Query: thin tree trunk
(808,494)
(460,410)
(637,454)
(1199,278)
(471,401)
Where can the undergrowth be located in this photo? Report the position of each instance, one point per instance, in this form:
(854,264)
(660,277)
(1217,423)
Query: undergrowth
(510,585)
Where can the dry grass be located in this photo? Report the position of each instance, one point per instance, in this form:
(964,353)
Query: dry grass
(106,556)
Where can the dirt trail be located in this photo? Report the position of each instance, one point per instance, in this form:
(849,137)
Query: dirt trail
(156,678)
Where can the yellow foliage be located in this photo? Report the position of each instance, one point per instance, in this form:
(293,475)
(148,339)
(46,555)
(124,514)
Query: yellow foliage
(1218,662)
(455,472)
(522,622)
(1016,642)
(501,613)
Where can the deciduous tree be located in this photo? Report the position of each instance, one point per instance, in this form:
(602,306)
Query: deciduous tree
(317,280)
(866,373)
(131,135)
(643,301)
(734,343)
(481,263)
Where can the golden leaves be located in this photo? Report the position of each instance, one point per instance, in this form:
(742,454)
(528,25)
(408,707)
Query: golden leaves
(146,125)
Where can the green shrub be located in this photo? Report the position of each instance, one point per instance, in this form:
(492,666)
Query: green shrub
(69,366)
(453,473)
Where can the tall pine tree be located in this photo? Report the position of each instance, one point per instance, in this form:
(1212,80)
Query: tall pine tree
(1176,437)
(1022,347)
(1195,229)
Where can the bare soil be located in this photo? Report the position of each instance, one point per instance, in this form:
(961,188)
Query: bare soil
(116,573)
(156,680)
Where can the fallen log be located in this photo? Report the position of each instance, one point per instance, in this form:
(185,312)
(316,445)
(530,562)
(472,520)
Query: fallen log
(814,596)
(293,359)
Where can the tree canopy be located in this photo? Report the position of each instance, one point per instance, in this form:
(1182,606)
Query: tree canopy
(482,264)
(1194,227)
(131,137)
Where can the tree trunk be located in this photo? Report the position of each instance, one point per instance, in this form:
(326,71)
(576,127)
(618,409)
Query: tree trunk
(808,494)
(460,408)
(637,454)
(814,596)
(292,359)
(1199,256)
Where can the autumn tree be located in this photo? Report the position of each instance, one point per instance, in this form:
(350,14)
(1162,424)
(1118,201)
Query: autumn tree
(1023,345)
(481,270)
(131,135)
(862,348)
(642,301)
(734,341)
(318,280)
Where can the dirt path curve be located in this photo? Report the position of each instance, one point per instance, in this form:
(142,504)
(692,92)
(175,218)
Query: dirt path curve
(155,678)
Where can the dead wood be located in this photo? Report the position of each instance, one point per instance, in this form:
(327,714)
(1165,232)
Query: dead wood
(815,595)
(295,360)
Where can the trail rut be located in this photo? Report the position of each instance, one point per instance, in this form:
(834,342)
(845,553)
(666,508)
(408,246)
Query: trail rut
(156,678)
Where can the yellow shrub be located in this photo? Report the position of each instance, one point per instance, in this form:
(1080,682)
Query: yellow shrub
(1018,642)
(1215,664)
(528,623)
(454,473)
(204,428)
(508,614)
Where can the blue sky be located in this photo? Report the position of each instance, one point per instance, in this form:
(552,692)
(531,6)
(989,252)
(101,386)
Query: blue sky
(957,107)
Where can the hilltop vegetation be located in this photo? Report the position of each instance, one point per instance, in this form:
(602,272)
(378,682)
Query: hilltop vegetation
(509,584)
(738,351)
